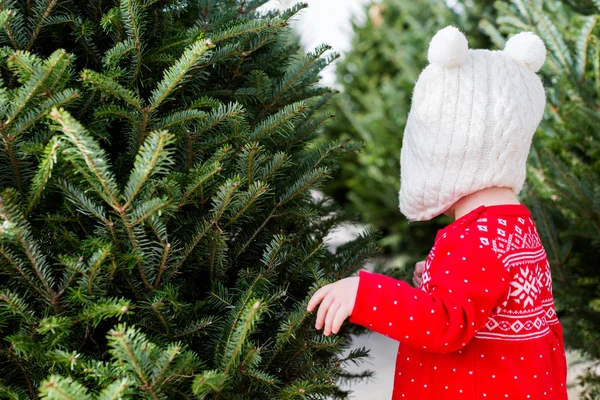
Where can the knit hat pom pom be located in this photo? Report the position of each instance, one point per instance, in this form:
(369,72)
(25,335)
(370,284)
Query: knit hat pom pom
(528,49)
(448,48)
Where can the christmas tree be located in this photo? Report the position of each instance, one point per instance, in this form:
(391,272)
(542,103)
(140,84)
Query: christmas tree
(159,235)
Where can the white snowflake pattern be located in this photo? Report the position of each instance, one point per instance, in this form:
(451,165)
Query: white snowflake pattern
(526,286)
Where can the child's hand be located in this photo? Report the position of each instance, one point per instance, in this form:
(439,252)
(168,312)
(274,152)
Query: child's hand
(337,302)
(418,275)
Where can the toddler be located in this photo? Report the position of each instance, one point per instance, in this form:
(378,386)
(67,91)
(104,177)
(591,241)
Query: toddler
(482,323)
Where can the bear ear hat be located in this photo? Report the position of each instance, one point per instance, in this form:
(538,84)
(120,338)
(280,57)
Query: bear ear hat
(528,49)
(448,48)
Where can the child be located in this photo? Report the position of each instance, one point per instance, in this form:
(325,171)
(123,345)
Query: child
(482,325)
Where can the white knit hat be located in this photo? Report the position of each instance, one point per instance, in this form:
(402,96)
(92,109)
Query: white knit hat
(472,119)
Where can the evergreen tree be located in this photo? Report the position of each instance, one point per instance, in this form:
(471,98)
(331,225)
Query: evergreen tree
(563,188)
(158,234)
(377,75)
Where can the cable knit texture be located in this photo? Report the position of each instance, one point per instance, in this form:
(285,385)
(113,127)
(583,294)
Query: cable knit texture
(482,326)
(471,123)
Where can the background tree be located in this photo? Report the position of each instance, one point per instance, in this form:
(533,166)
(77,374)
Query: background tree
(158,235)
(377,76)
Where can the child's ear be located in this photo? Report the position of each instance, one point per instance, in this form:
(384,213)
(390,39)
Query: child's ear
(448,48)
(528,49)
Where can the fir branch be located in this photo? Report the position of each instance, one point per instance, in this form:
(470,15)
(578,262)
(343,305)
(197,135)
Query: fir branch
(116,111)
(289,328)
(217,255)
(492,32)
(103,309)
(222,199)
(169,363)
(39,181)
(303,388)
(117,390)
(13,304)
(251,27)
(246,200)
(310,125)
(522,7)
(84,204)
(15,27)
(95,263)
(249,316)
(148,208)
(10,213)
(232,113)
(22,270)
(279,160)
(161,267)
(14,161)
(38,27)
(197,237)
(261,376)
(153,159)
(581,44)
(205,102)
(25,122)
(133,18)
(305,182)
(57,62)
(24,65)
(553,39)
(256,232)
(113,56)
(122,339)
(58,388)
(195,327)
(283,121)
(201,176)
(15,393)
(209,382)
(175,76)
(86,151)
(108,85)
(519,23)
(84,32)
(181,118)
(271,254)
(293,75)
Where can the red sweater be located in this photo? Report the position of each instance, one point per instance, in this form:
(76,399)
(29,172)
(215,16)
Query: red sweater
(483,325)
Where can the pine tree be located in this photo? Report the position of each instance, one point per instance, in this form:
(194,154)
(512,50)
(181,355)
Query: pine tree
(563,188)
(159,238)
(377,75)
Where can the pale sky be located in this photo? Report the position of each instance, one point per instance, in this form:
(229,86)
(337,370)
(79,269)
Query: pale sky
(326,21)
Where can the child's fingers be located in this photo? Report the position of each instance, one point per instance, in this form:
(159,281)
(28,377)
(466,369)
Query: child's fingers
(318,297)
(329,318)
(418,274)
(323,308)
(419,268)
(417,281)
(338,320)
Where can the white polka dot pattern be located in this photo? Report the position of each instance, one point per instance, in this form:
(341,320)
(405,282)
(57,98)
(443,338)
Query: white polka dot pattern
(482,320)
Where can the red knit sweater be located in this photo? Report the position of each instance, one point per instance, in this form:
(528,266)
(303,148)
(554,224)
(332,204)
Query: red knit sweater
(483,325)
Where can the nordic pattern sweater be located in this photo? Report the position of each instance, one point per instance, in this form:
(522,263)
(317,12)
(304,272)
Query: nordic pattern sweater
(483,324)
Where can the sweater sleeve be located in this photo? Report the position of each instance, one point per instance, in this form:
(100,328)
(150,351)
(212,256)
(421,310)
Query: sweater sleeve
(465,287)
